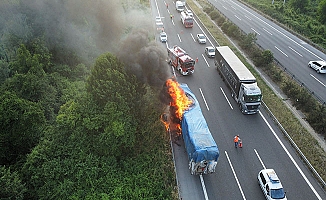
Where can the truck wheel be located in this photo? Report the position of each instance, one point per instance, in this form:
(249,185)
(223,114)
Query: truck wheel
(240,107)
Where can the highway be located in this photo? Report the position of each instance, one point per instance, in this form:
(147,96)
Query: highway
(292,52)
(264,144)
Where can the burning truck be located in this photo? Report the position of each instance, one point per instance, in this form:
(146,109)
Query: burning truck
(185,117)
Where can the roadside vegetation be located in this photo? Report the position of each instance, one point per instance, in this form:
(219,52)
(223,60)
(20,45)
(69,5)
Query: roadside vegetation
(304,17)
(75,122)
(218,25)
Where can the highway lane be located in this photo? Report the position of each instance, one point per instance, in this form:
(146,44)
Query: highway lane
(224,122)
(289,50)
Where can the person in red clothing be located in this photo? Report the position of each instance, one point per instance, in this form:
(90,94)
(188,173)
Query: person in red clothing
(236,141)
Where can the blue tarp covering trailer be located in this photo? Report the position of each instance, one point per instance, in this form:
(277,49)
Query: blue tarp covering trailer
(201,148)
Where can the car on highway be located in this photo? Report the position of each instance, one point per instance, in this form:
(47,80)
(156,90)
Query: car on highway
(210,51)
(163,37)
(319,66)
(189,12)
(158,20)
(271,185)
(201,38)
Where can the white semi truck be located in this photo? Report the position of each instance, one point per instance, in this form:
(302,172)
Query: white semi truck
(241,81)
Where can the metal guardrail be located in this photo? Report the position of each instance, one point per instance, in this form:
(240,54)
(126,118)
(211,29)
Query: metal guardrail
(320,179)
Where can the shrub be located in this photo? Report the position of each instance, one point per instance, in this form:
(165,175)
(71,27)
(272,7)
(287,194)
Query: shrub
(214,14)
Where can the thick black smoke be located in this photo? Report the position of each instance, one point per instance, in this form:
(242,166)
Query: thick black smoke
(145,58)
(89,28)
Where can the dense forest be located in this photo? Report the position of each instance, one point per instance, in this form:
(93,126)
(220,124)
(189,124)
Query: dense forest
(79,102)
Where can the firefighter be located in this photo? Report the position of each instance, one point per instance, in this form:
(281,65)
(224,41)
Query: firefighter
(236,141)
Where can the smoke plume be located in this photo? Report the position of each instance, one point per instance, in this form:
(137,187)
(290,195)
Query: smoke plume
(90,28)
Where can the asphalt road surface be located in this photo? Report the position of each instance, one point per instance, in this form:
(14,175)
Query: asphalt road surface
(292,52)
(263,143)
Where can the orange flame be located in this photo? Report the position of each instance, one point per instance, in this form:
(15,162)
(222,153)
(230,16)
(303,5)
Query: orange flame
(178,104)
(179,99)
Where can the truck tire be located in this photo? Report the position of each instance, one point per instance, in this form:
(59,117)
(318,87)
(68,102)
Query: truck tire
(240,107)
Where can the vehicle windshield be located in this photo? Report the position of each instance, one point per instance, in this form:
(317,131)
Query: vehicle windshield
(189,64)
(252,98)
(201,37)
(211,50)
(277,193)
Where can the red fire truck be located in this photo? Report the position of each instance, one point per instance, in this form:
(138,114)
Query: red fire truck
(180,60)
(186,19)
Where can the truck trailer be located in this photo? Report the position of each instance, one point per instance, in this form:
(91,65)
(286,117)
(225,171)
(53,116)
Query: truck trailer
(201,148)
(241,81)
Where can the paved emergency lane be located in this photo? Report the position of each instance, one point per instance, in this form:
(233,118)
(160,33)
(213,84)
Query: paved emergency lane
(225,121)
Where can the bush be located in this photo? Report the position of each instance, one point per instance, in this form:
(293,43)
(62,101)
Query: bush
(208,9)
(247,41)
(220,21)
(317,118)
(214,14)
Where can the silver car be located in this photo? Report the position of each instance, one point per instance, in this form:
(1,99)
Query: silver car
(210,51)
(163,37)
(201,38)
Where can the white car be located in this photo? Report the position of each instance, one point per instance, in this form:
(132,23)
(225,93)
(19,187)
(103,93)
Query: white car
(210,51)
(271,185)
(158,20)
(189,12)
(319,66)
(163,37)
(201,38)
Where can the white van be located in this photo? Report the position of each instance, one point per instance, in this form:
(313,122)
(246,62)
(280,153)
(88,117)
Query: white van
(319,66)
(179,6)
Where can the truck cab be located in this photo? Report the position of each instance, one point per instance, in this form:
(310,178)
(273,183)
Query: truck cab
(250,98)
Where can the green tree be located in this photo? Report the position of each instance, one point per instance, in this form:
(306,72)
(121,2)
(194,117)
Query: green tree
(300,5)
(4,71)
(109,82)
(247,41)
(322,11)
(267,57)
(21,124)
(11,185)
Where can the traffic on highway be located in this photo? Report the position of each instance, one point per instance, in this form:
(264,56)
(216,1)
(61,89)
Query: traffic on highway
(291,52)
(266,166)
